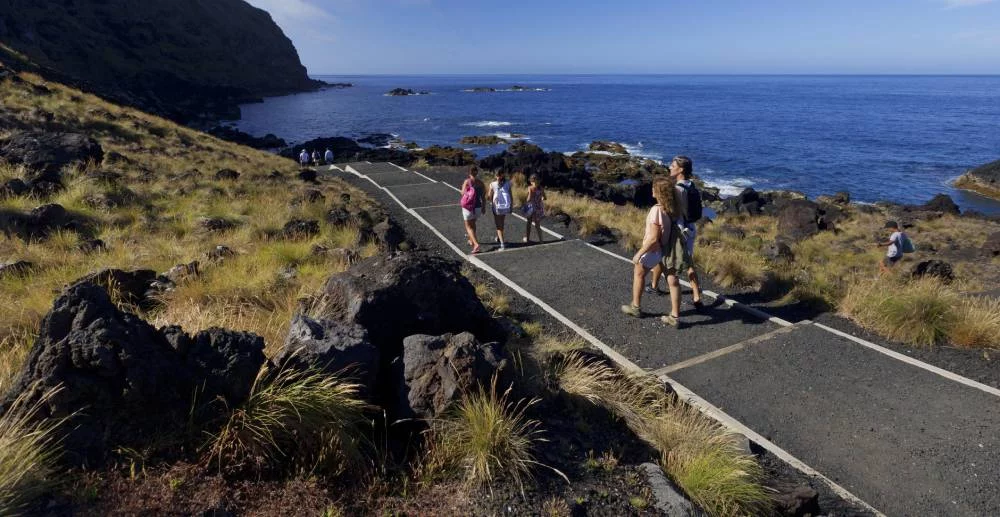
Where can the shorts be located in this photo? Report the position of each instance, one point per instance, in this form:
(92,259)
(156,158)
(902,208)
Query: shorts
(651,259)
(499,211)
(470,215)
(891,261)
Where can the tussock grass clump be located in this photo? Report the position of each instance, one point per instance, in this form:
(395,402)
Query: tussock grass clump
(923,312)
(28,454)
(484,438)
(731,268)
(308,419)
(701,457)
(591,215)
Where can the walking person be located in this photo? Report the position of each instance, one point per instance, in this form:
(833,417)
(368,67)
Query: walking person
(501,201)
(689,208)
(328,157)
(661,248)
(315,157)
(304,158)
(534,207)
(472,205)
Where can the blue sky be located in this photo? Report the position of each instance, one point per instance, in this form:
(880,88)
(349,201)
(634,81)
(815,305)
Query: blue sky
(642,36)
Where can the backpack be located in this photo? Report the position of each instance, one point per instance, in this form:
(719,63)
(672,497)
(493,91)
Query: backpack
(693,202)
(468,201)
(501,198)
(905,244)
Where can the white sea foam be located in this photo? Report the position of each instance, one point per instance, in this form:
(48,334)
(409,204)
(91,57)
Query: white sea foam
(731,186)
(488,123)
(510,136)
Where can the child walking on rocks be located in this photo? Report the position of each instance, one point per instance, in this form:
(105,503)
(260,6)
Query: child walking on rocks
(500,202)
(534,207)
(661,246)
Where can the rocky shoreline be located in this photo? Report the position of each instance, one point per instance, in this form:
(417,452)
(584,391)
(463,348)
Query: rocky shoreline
(984,180)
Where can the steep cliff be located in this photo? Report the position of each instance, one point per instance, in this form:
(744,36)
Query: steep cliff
(185,59)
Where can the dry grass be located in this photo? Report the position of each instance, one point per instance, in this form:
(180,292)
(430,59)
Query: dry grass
(486,437)
(923,312)
(307,419)
(169,173)
(699,456)
(591,215)
(28,454)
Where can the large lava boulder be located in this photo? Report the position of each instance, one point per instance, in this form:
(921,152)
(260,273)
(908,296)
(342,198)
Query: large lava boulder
(332,347)
(798,219)
(937,268)
(438,370)
(50,152)
(123,380)
(942,203)
(405,294)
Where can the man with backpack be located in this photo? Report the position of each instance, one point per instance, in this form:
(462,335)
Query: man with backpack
(690,208)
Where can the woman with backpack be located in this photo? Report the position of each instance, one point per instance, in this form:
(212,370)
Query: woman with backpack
(471,202)
(501,202)
(662,246)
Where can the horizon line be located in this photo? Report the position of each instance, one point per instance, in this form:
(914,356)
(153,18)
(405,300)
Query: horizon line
(648,74)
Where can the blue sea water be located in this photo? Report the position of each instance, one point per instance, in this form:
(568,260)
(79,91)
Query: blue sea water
(896,138)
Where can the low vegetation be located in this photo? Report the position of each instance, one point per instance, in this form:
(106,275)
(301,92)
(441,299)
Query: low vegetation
(700,456)
(485,438)
(309,421)
(28,455)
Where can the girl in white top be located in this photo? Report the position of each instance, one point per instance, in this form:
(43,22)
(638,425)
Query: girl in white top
(501,202)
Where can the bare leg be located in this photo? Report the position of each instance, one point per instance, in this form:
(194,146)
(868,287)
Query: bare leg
(675,293)
(470,229)
(657,273)
(538,228)
(527,230)
(695,290)
(638,279)
(499,219)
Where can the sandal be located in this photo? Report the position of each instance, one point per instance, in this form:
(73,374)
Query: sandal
(475,250)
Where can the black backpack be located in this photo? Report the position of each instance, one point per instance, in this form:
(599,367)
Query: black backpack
(693,202)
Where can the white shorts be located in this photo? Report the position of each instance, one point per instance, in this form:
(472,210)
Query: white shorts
(650,259)
(469,215)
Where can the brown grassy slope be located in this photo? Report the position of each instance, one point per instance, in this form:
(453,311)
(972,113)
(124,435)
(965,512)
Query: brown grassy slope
(168,184)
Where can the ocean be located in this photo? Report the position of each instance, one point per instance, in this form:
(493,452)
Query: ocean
(894,138)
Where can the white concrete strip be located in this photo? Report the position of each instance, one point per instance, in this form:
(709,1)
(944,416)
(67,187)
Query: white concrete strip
(722,351)
(522,247)
(415,172)
(914,362)
(731,423)
(623,362)
(453,205)
(409,185)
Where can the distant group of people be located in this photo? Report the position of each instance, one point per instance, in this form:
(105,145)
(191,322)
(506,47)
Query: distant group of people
(500,198)
(305,158)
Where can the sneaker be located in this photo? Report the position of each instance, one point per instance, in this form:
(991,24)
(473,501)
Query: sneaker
(657,292)
(698,306)
(475,250)
(525,240)
(502,247)
(671,320)
(631,310)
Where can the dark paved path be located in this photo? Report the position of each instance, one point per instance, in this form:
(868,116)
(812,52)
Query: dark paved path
(902,436)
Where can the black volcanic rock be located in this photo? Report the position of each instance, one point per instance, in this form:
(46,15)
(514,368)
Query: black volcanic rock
(49,152)
(268,141)
(185,59)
